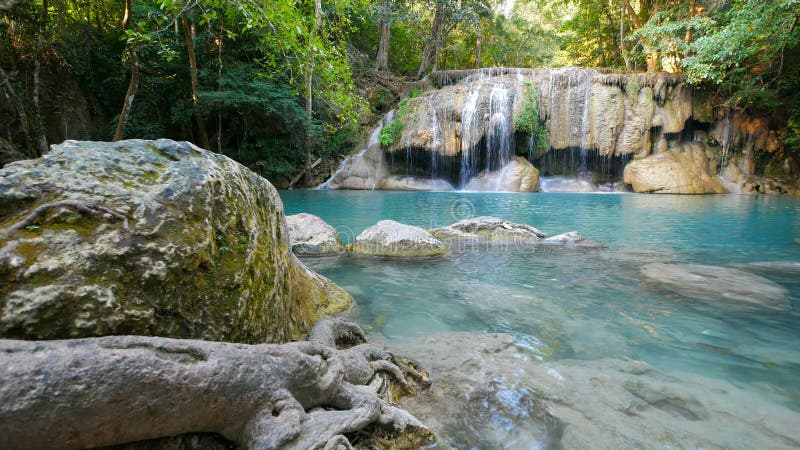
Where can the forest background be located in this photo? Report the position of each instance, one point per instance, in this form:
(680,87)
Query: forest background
(279,84)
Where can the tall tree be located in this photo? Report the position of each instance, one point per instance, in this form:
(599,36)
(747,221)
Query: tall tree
(40,128)
(133,83)
(188,34)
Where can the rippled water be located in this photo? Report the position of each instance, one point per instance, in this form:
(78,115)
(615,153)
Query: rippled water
(590,304)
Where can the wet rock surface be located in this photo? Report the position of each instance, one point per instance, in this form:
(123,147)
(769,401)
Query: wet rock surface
(390,238)
(517,176)
(150,238)
(674,172)
(489,230)
(600,404)
(310,235)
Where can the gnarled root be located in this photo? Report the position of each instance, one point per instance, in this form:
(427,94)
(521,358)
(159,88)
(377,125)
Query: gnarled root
(102,391)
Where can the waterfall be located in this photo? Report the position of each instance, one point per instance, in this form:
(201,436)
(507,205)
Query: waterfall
(374,139)
(434,138)
(726,136)
(469,163)
(500,130)
(586,91)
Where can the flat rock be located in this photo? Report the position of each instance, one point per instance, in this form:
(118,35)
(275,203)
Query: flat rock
(310,235)
(190,244)
(390,238)
(718,284)
(490,230)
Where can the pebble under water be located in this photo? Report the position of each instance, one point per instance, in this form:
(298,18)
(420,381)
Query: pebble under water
(591,311)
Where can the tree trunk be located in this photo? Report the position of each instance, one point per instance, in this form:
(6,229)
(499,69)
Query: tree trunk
(188,33)
(119,389)
(39,126)
(382,59)
(431,52)
(133,84)
(652,56)
(478,48)
(623,51)
(24,124)
(220,42)
(309,81)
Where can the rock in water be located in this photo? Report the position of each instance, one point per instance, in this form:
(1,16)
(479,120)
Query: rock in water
(310,235)
(390,238)
(673,173)
(489,230)
(570,239)
(718,284)
(517,176)
(151,238)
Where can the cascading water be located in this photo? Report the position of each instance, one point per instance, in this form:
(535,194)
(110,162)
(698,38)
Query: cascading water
(469,134)
(434,137)
(586,91)
(499,134)
(374,140)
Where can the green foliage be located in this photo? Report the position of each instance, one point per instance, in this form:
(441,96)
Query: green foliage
(392,132)
(528,120)
(792,137)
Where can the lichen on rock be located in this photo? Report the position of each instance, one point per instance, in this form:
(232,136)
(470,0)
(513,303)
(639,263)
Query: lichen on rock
(390,238)
(160,238)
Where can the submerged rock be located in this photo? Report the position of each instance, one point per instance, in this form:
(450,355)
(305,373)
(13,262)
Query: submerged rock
(310,235)
(570,239)
(390,238)
(490,230)
(517,176)
(494,394)
(150,238)
(674,172)
(415,184)
(718,284)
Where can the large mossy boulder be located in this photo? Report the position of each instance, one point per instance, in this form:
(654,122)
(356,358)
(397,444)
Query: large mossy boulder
(151,238)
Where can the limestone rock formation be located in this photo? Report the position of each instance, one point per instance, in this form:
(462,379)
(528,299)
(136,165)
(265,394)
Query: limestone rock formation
(595,121)
(489,230)
(310,235)
(82,393)
(715,284)
(150,238)
(517,176)
(390,238)
(674,172)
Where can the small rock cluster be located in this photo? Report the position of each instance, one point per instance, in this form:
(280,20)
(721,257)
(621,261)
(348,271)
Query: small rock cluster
(310,235)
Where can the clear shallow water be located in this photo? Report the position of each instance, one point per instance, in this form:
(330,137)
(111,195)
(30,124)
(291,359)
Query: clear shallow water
(584,305)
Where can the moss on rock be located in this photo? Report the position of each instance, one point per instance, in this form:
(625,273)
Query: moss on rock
(218,268)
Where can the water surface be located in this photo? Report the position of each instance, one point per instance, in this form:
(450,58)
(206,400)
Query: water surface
(588,305)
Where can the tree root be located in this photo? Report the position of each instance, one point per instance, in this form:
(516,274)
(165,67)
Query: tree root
(84,208)
(82,393)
